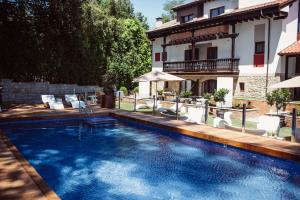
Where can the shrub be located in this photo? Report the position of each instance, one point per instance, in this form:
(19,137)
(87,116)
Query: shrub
(124,90)
(186,94)
(270,99)
(160,92)
(207,96)
(219,95)
(136,90)
(279,97)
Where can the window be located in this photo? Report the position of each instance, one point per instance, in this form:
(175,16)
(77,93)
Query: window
(217,11)
(166,85)
(186,18)
(242,87)
(157,57)
(259,47)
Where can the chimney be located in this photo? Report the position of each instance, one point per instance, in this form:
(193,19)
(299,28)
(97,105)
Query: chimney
(159,22)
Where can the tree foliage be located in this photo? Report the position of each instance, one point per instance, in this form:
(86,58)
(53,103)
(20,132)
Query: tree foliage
(279,97)
(70,41)
(131,55)
(168,8)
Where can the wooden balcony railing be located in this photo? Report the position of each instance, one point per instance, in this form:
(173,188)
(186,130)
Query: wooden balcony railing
(203,66)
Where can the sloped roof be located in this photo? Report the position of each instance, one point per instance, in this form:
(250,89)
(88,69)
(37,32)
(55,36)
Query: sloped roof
(276,4)
(293,49)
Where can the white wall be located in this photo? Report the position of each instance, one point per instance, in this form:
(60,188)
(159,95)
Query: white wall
(229,6)
(283,34)
(176,53)
(144,89)
(157,48)
(227,83)
(247,3)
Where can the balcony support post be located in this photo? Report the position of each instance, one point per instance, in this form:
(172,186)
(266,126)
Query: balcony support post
(193,46)
(164,57)
(232,46)
(233,42)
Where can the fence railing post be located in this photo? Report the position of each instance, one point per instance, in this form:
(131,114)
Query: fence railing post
(294,125)
(134,109)
(244,118)
(119,99)
(177,101)
(206,111)
(154,104)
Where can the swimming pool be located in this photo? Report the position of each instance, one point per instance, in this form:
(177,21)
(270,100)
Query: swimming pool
(121,159)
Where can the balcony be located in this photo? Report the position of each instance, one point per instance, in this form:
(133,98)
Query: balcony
(227,65)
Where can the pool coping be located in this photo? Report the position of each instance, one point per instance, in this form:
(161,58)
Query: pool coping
(184,128)
(47,192)
(257,144)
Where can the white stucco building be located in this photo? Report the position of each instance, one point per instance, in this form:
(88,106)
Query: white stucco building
(244,46)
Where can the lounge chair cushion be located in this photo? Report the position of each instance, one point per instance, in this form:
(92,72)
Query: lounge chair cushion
(56,106)
(78,104)
(48,99)
(71,97)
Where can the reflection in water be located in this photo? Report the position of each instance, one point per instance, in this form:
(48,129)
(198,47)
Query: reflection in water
(118,161)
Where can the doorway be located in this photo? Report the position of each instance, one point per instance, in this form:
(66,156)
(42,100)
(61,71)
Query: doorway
(209,86)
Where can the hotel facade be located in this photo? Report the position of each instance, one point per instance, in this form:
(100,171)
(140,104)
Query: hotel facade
(244,46)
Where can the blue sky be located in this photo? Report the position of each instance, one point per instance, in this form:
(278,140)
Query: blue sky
(150,8)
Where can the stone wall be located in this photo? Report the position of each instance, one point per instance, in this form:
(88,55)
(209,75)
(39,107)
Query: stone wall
(30,92)
(255,86)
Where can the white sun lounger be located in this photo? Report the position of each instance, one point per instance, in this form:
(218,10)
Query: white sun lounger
(160,108)
(73,100)
(195,115)
(148,104)
(270,124)
(220,123)
(52,102)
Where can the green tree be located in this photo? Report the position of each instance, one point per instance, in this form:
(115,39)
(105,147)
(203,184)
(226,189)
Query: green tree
(70,41)
(131,54)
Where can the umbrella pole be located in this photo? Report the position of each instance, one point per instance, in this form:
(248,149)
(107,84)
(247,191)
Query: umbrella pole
(156,93)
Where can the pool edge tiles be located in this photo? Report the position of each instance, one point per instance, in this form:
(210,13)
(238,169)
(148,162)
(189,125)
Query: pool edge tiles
(36,178)
(263,145)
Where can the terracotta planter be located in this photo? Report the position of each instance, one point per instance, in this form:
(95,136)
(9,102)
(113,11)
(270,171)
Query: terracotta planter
(108,101)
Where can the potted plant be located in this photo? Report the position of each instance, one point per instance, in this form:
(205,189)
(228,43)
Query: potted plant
(280,98)
(108,99)
(219,96)
(124,90)
(160,94)
(185,96)
(270,101)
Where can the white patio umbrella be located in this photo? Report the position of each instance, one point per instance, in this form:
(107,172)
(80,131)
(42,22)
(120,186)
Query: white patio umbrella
(156,76)
(291,83)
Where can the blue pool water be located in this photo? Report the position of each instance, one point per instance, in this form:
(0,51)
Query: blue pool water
(128,161)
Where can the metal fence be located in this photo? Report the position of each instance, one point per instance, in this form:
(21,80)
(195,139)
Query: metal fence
(279,125)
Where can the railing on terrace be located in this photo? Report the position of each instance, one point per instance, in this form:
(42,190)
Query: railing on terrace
(203,66)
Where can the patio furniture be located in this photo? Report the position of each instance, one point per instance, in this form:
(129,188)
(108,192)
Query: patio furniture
(195,115)
(74,102)
(52,103)
(270,124)
(160,108)
(220,123)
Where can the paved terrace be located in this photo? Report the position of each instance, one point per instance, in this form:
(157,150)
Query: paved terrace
(19,180)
